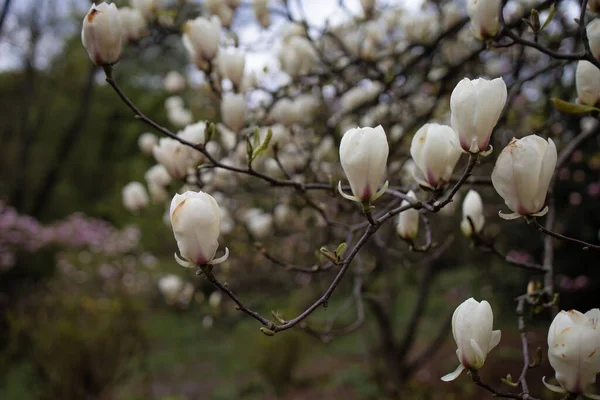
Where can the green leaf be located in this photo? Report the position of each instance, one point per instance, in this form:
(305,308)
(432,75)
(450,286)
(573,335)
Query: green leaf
(340,249)
(264,146)
(572,108)
(550,16)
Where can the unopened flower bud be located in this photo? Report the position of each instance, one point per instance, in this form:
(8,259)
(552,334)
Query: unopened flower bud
(484,17)
(101,34)
(472,210)
(587,81)
(408,220)
(476,106)
(135,196)
(472,324)
(146,142)
(435,152)
(573,351)
(522,175)
(363,154)
(233,111)
(195,222)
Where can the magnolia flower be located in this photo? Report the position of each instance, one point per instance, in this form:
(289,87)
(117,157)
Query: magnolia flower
(367,5)
(194,133)
(201,39)
(593,33)
(146,142)
(472,324)
(261,10)
(260,224)
(587,81)
(282,214)
(231,65)
(215,298)
(434,151)
(195,222)
(174,82)
(180,117)
(363,154)
(101,34)
(290,30)
(158,175)
(133,24)
(146,7)
(421,27)
(574,351)
(522,174)
(233,110)
(408,221)
(472,208)
(484,17)
(173,156)
(158,193)
(170,286)
(475,106)
(298,56)
(135,196)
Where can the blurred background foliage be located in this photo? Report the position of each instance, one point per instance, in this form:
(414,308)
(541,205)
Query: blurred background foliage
(82,323)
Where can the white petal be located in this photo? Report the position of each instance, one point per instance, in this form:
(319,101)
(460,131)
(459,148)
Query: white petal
(453,375)
(554,388)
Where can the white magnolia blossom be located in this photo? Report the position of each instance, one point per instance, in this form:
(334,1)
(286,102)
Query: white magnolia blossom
(452,14)
(574,351)
(587,81)
(101,34)
(476,106)
(301,110)
(173,102)
(173,156)
(170,286)
(215,298)
(133,24)
(522,174)
(201,39)
(158,175)
(298,56)
(282,214)
(484,17)
(146,142)
(233,110)
(359,95)
(367,5)
(179,116)
(435,153)
(135,196)
(472,208)
(147,7)
(363,154)
(158,193)
(421,28)
(593,33)
(194,133)
(231,65)
(261,11)
(290,30)
(174,82)
(408,220)
(472,324)
(260,224)
(195,222)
